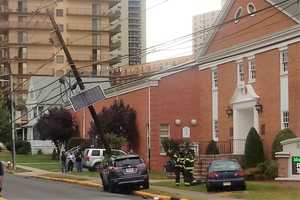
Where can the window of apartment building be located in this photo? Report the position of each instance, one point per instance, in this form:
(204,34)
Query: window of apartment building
(22,68)
(284,61)
(164,132)
(241,75)
(61,27)
(96,54)
(96,8)
(96,40)
(23,52)
(96,24)
(22,5)
(22,37)
(252,70)
(3,53)
(214,79)
(285,119)
(3,38)
(60,59)
(59,12)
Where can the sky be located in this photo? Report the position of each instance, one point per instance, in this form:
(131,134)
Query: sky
(170,19)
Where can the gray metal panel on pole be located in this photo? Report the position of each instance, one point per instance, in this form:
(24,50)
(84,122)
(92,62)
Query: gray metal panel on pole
(13,121)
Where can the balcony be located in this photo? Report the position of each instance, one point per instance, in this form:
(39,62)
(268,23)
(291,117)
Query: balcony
(115,13)
(116,38)
(80,57)
(25,25)
(112,3)
(115,45)
(115,29)
(85,12)
(86,27)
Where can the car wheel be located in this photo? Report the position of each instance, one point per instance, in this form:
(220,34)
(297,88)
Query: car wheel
(146,184)
(243,187)
(209,188)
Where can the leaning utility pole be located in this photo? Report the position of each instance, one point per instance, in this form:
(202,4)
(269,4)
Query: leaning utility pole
(78,79)
(13,118)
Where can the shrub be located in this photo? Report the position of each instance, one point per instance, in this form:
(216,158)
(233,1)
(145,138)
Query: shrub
(54,155)
(78,141)
(254,173)
(40,152)
(283,134)
(23,147)
(115,141)
(269,168)
(254,152)
(212,148)
(171,146)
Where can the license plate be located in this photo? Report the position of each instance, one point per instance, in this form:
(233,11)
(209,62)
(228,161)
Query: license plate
(226,183)
(129,170)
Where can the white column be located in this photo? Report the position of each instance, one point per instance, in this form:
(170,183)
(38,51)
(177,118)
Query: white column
(256,120)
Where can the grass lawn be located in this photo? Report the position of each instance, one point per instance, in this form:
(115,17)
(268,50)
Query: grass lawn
(267,191)
(6,156)
(171,184)
(255,190)
(157,175)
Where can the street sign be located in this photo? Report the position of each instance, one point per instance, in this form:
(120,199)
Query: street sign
(296,165)
(86,98)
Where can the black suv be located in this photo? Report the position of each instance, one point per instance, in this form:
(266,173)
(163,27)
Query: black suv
(124,170)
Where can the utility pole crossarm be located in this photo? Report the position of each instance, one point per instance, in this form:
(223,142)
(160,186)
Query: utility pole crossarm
(78,79)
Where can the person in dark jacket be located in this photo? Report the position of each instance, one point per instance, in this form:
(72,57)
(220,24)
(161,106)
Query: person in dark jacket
(78,160)
(63,160)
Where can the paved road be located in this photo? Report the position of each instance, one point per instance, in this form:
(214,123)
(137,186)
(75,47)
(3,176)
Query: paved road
(19,188)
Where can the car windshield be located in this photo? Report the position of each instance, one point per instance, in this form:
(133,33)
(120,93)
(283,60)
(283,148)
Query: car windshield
(224,165)
(127,161)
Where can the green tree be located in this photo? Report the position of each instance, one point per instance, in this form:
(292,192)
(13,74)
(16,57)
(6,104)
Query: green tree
(254,151)
(5,125)
(283,134)
(212,148)
(120,120)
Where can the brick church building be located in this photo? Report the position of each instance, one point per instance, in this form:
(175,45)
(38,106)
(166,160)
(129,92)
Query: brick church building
(247,75)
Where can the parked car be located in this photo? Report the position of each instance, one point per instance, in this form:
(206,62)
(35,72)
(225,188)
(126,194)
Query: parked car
(1,175)
(129,170)
(92,158)
(225,174)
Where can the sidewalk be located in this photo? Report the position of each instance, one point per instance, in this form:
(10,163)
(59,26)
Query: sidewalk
(96,182)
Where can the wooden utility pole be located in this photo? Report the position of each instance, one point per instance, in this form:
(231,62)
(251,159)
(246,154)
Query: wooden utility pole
(78,79)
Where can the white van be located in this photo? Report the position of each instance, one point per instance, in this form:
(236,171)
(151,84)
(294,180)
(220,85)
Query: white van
(93,157)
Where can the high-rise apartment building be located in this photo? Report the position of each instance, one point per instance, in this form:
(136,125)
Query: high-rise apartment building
(26,48)
(128,32)
(202,29)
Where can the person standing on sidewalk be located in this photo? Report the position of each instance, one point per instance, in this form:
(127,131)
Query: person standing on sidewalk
(63,160)
(78,159)
(177,159)
(188,173)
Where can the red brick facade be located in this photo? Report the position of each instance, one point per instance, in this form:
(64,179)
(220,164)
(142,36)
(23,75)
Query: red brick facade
(187,95)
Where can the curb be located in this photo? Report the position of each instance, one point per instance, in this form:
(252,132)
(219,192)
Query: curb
(66,180)
(97,185)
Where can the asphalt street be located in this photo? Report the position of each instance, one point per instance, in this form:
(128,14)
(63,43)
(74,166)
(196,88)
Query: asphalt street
(20,188)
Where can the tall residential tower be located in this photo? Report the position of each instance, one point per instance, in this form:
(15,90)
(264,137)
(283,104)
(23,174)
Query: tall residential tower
(128,32)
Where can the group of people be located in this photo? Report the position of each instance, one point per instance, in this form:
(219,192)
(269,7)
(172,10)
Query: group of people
(183,162)
(68,160)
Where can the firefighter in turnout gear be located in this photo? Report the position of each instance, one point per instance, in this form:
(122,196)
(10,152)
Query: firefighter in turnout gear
(188,168)
(178,160)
